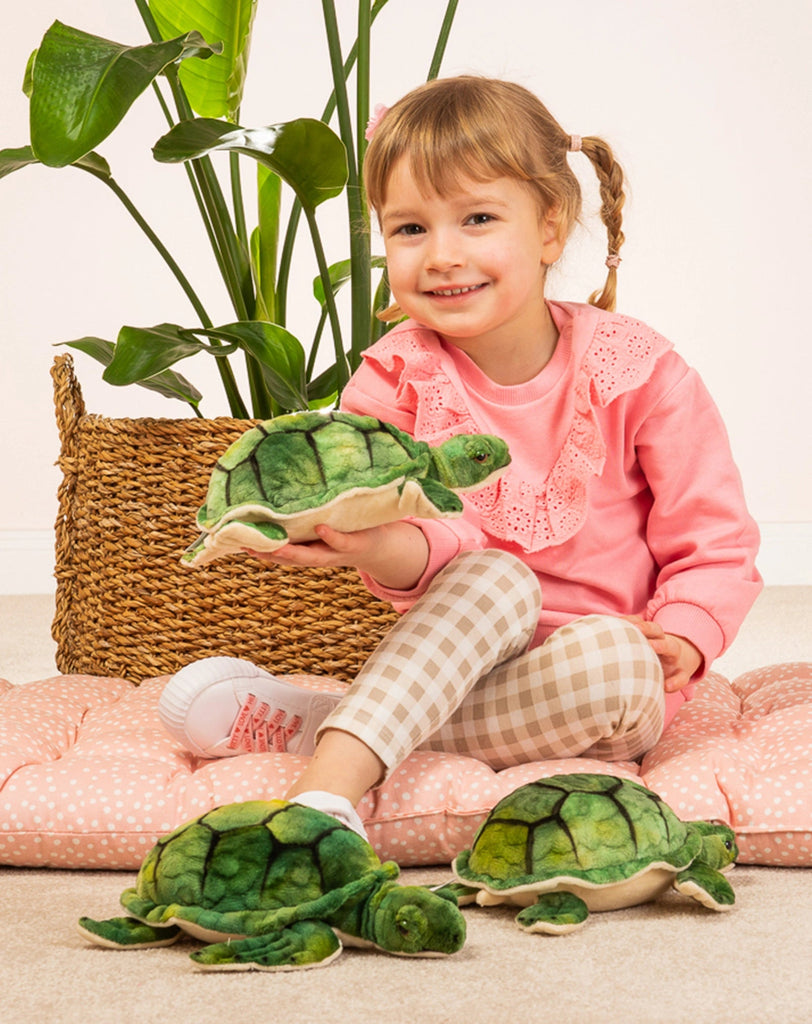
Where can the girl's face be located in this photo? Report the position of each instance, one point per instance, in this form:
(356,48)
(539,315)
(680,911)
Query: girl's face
(471,265)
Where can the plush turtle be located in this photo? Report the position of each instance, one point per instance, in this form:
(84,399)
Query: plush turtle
(565,845)
(285,476)
(276,886)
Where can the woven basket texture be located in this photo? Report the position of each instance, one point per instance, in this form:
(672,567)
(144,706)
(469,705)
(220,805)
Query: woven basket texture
(125,606)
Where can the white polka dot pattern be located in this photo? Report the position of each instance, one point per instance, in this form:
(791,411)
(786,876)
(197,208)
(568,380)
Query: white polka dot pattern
(741,752)
(89,779)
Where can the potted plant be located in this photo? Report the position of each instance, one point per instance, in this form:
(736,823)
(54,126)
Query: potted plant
(81,86)
(124,515)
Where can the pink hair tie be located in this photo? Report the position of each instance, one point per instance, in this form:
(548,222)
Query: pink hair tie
(613,261)
(575,144)
(374,121)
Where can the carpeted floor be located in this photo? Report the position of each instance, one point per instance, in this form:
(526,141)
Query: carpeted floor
(665,963)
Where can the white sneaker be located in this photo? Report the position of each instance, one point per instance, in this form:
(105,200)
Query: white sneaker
(221,707)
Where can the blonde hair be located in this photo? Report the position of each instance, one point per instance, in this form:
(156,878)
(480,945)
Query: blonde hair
(486,128)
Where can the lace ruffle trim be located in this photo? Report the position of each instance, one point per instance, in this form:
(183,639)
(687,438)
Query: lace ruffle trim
(620,357)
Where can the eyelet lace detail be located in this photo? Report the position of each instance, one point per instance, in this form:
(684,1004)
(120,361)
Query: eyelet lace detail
(618,355)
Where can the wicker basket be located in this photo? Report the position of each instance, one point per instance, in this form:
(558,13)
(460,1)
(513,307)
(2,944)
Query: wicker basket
(124,604)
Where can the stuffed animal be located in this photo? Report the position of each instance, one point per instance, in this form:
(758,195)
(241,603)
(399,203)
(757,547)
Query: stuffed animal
(568,844)
(287,475)
(276,886)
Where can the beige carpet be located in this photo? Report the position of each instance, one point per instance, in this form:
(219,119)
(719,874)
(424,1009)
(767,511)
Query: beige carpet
(665,963)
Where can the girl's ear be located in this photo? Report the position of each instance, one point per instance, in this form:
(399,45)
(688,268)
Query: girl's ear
(553,235)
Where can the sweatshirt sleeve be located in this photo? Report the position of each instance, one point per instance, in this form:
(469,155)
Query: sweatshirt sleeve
(699,530)
(372,391)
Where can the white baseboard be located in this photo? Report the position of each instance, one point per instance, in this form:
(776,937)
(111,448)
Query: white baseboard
(27,562)
(27,558)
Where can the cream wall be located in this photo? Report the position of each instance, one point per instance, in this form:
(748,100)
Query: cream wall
(706,104)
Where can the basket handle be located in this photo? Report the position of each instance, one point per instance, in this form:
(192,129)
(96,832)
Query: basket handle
(70,410)
(70,405)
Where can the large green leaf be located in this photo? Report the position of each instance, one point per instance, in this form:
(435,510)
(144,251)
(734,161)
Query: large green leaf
(15,159)
(143,352)
(167,383)
(305,153)
(83,85)
(213,88)
(279,354)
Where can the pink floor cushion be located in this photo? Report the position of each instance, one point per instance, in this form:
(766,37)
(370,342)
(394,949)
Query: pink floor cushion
(89,779)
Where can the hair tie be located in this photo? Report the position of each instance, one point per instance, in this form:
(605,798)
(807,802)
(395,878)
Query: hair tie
(375,120)
(575,144)
(613,261)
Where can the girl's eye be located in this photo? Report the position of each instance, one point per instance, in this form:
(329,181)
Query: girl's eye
(480,218)
(409,229)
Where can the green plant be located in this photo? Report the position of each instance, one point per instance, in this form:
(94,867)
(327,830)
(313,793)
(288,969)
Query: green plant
(81,86)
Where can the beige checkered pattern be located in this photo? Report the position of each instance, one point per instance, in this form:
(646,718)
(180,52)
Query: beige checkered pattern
(454,674)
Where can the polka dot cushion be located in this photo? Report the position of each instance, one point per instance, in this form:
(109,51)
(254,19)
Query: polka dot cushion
(89,779)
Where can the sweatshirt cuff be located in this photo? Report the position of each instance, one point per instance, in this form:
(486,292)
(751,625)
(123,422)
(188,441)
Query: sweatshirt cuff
(681,618)
(444,545)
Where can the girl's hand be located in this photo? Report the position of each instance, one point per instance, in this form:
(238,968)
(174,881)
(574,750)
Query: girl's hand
(395,554)
(679,658)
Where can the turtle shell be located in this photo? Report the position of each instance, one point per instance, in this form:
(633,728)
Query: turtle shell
(248,857)
(315,458)
(599,829)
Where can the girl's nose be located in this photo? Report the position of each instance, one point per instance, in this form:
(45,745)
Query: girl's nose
(443,252)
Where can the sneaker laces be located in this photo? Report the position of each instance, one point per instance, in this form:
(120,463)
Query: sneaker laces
(259,728)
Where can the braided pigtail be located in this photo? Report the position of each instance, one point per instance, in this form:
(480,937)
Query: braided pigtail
(610,180)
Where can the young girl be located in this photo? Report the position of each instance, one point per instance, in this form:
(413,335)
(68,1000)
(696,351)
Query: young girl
(576,602)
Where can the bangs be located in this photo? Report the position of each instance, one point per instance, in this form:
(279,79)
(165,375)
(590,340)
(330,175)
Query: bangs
(451,131)
(445,158)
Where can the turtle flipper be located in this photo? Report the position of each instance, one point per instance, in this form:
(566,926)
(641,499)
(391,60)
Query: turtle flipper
(233,537)
(241,533)
(462,894)
(444,500)
(190,555)
(126,933)
(554,913)
(299,946)
(706,885)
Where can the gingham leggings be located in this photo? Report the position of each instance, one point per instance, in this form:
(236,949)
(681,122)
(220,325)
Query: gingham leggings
(454,674)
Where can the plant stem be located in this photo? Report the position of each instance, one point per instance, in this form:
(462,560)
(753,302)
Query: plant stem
(359,227)
(286,254)
(183,281)
(260,399)
(360,251)
(231,257)
(442,39)
(235,402)
(342,372)
(191,178)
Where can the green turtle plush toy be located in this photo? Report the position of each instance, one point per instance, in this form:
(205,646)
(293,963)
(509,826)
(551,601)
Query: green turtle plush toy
(568,844)
(285,476)
(275,885)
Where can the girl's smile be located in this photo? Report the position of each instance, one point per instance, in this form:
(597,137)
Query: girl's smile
(471,265)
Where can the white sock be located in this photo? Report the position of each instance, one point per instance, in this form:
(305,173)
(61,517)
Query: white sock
(338,807)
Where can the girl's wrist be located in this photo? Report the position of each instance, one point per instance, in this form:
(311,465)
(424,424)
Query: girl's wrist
(399,557)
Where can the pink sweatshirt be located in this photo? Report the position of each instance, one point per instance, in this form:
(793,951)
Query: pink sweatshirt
(621,495)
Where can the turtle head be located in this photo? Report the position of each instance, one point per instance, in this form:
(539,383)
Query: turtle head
(469,461)
(411,920)
(719,848)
